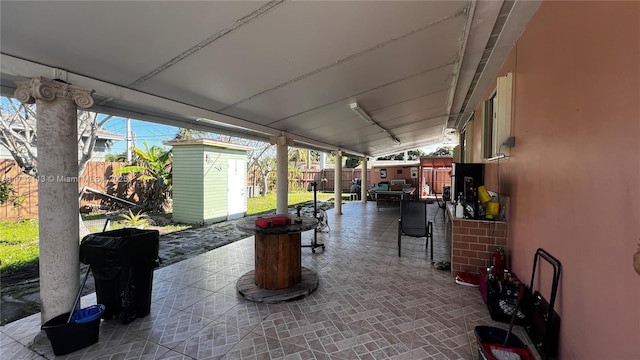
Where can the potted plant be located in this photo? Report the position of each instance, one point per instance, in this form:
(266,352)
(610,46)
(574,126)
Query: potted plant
(138,220)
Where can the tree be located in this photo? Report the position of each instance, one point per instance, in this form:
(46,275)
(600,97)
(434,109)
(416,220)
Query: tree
(411,155)
(415,154)
(352,163)
(121,157)
(442,151)
(18,133)
(189,134)
(152,167)
(266,166)
(88,126)
(9,195)
(261,158)
(300,155)
(13,116)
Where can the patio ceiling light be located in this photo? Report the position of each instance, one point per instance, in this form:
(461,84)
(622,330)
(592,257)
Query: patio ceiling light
(367,118)
(363,114)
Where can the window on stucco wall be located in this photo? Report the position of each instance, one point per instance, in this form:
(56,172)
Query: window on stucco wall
(496,118)
(487,127)
(466,143)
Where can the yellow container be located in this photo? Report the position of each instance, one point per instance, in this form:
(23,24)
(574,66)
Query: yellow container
(483,194)
(493,208)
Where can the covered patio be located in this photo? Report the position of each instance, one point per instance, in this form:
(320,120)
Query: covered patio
(296,73)
(370,304)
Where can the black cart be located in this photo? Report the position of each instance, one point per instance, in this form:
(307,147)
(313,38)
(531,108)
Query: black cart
(122,262)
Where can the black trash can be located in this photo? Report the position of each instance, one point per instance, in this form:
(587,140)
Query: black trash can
(122,262)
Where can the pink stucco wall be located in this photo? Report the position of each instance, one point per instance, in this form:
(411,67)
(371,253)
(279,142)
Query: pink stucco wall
(574,174)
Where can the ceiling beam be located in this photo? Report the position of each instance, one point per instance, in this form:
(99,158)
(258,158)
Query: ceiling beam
(115,101)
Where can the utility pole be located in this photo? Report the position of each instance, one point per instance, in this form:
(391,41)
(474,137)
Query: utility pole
(128,140)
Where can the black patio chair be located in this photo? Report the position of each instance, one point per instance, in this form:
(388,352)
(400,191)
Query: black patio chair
(413,222)
(442,205)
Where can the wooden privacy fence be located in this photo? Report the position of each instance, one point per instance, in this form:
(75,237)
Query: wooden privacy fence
(308,176)
(302,179)
(23,186)
(436,178)
(100,176)
(97,175)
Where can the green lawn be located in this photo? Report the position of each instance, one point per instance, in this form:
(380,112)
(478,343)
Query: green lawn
(259,204)
(18,244)
(19,239)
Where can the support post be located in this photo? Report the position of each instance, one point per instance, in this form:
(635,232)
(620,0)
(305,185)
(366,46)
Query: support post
(56,121)
(338,182)
(282,175)
(364,188)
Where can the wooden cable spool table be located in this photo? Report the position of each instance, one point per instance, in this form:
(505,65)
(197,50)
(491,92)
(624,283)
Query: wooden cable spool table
(278,273)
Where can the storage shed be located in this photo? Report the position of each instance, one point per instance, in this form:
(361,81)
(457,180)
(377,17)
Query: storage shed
(209,181)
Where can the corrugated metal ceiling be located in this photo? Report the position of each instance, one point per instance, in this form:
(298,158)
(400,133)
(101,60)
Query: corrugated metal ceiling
(261,69)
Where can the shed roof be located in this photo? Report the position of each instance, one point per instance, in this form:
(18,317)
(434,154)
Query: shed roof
(208,142)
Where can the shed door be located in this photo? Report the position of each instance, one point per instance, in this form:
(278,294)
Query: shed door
(236,202)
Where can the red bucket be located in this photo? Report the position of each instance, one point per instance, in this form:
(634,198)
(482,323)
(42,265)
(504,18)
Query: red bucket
(490,340)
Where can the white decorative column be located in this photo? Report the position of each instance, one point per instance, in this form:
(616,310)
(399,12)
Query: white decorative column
(364,186)
(56,116)
(338,182)
(282,175)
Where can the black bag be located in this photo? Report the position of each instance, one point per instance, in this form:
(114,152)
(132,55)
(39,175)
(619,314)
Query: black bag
(543,322)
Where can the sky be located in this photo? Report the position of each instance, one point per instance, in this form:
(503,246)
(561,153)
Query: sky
(155,134)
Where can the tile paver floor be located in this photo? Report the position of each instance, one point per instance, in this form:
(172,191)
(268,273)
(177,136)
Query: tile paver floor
(370,304)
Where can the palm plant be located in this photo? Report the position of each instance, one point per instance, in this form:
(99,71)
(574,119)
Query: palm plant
(121,157)
(153,167)
(138,219)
